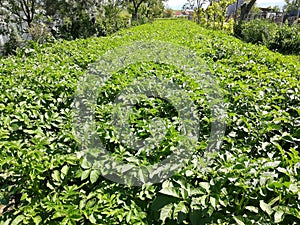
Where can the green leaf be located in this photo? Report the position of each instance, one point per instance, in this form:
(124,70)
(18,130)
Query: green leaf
(180,212)
(120,217)
(142,175)
(265,207)
(64,171)
(18,220)
(189,173)
(294,188)
(58,215)
(203,199)
(161,200)
(272,202)
(166,212)
(128,217)
(252,209)
(181,207)
(278,216)
(56,175)
(24,196)
(213,202)
(271,164)
(92,219)
(171,191)
(238,220)
(85,174)
(205,185)
(37,219)
(86,164)
(29,131)
(94,176)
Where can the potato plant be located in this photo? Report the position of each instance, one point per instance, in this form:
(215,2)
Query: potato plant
(254,179)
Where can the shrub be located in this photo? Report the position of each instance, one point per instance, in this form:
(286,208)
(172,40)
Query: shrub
(258,31)
(40,33)
(286,39)
(277,37)
(14,42)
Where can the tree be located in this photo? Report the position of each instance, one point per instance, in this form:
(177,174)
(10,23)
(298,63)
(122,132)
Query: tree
(112,20)
(21,11)
(275,9)
(17,18)
(25,10)
(112,9)
(168,13)
(148,8)
(195,5)
(74,18)
(136,5)
(216,13)
(291,6)
(72,8)
(154,8)
(246,8)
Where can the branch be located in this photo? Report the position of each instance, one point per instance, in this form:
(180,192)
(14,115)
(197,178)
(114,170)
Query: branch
(32,9)
(140,2)
(25,8)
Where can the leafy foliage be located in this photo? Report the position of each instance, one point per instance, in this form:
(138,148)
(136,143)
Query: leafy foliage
(253,180)
(282,38)
(291,6)
(214,16)
(45,20)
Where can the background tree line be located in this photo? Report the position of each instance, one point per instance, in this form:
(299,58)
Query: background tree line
(45,20)
(212,13)
(281,36)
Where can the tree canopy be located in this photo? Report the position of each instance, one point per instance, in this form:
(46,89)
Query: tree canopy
(71,19)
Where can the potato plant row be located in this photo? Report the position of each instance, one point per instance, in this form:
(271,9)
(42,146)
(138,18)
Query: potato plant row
(253,179)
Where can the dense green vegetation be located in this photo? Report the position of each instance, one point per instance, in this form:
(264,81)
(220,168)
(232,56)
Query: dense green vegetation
(47,20)
(277,37)
(255,179)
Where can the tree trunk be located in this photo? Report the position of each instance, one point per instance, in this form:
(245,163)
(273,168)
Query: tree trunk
(29,12)
(198,18)
(298,12)
(135,14)
(245,9)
